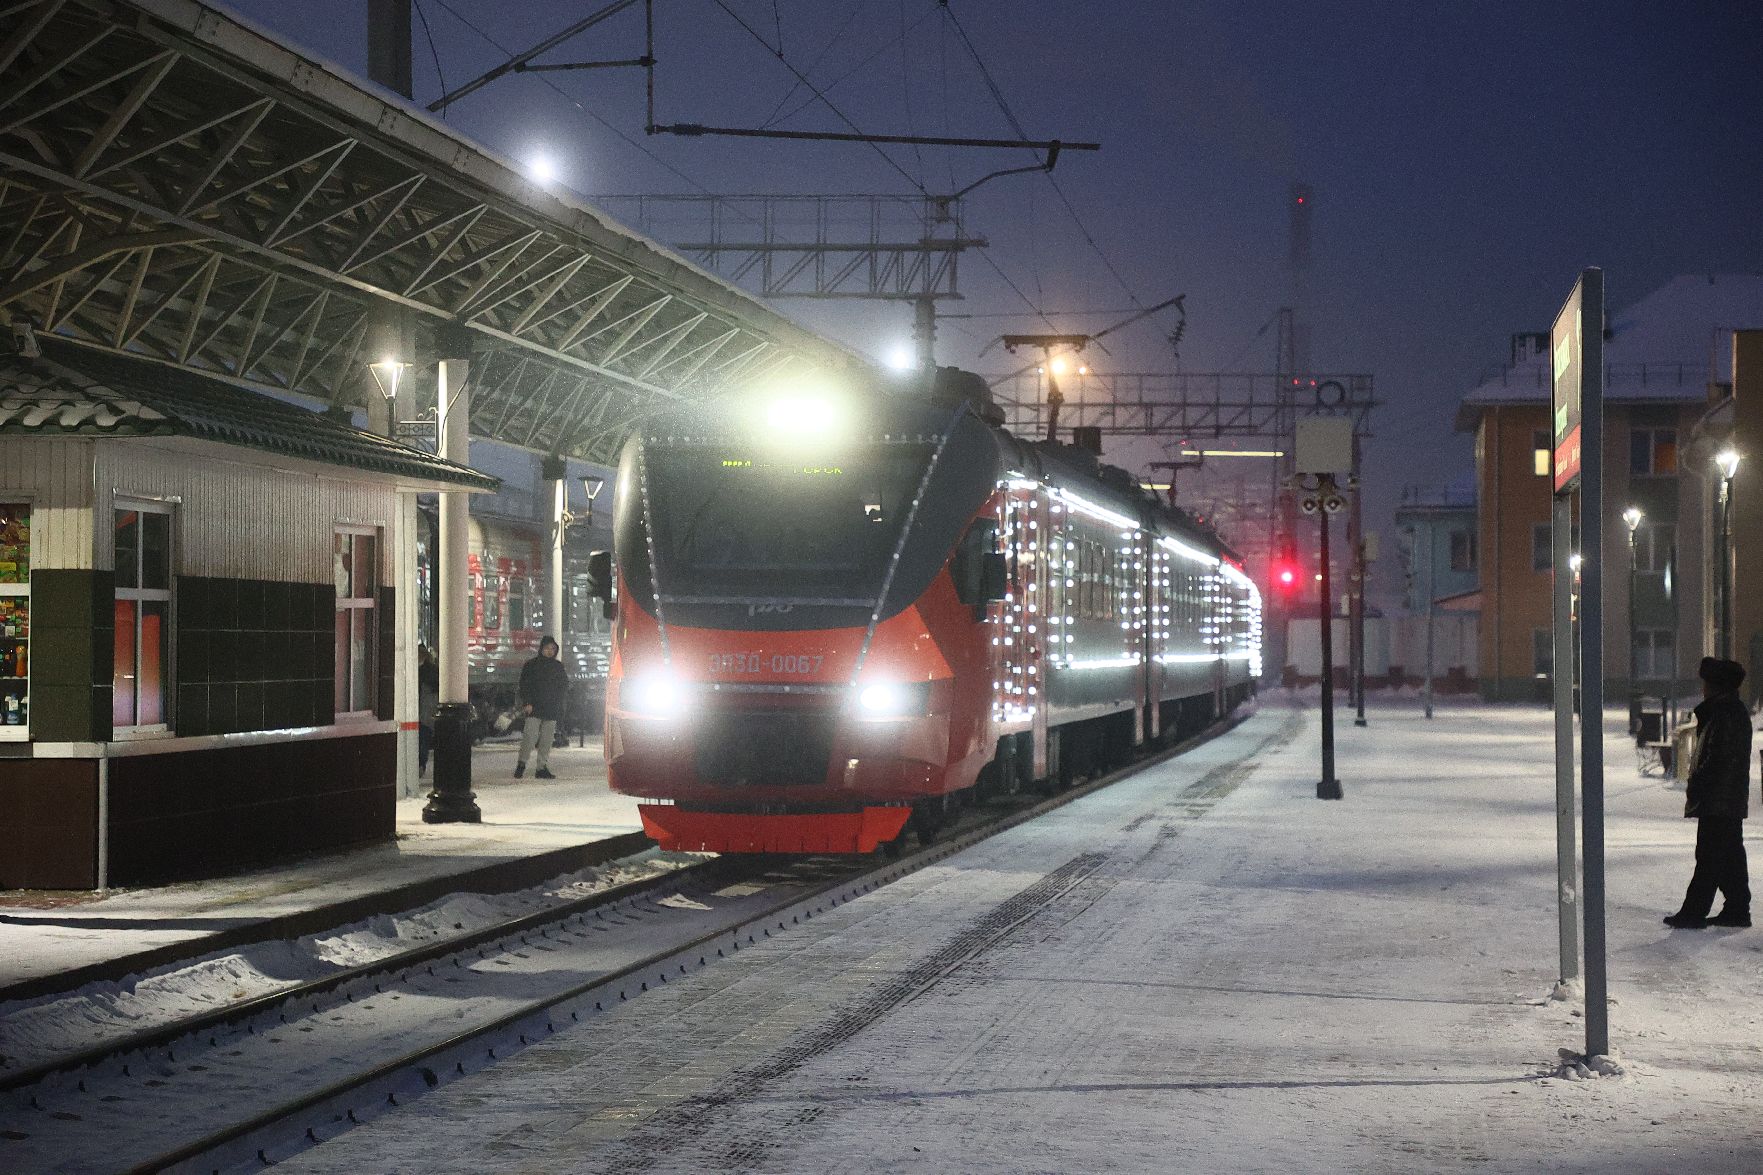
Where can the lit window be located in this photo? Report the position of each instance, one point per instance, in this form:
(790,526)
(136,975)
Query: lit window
(1653,542)
(1542,651)
(1652,452)
(1542,547)
(143,617)
(1655,653)
(1542,456)
(355,567)
(1463,550)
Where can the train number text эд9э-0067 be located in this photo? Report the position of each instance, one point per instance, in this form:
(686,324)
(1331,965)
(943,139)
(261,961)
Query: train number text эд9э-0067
(804,664)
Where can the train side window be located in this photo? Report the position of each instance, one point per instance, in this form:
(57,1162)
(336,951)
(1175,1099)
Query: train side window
(517,617)
(1086,580)
(492,603)
(968,567)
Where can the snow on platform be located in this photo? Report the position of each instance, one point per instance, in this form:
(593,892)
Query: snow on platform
(43,935)
(1203,968)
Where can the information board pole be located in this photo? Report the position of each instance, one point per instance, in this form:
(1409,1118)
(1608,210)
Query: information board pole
(1561,673)
(1591,654)
(1577,360)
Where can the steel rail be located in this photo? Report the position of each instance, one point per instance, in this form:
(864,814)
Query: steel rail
(171,1032)
(422,1069)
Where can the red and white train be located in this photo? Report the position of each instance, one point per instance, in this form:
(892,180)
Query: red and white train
(837,618)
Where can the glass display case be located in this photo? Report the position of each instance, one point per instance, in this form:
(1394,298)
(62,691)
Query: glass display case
(15,620)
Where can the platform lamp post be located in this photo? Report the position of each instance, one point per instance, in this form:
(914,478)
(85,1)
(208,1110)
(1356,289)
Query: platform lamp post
(1631,518)
(1728,461)
(389,373)
(453,801)
(566,518)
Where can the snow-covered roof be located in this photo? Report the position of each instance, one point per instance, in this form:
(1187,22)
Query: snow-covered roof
(1665,348)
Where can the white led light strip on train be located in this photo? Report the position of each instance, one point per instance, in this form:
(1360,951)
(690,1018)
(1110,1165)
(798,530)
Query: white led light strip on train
(1194,553)
(1235,574)
(1101,513)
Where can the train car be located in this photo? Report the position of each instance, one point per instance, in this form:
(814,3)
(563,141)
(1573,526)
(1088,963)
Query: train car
(837,618)
(508,576)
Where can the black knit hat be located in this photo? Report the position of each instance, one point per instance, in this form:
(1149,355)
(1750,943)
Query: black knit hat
(1722,675)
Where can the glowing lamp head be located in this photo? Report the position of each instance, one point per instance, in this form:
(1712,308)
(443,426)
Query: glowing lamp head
(1632,517)
(656,694)
(901,358)
(805,416)
(893,699)
(1728,461)
(542,169)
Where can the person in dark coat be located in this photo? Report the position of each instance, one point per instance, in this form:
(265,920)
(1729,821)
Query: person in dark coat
(544,692)
(1717,795)
(428,704)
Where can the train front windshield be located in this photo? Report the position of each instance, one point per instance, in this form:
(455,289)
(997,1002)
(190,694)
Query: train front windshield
(731,523)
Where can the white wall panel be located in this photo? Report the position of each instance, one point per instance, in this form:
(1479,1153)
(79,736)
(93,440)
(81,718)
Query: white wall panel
(243,519)
(55,473)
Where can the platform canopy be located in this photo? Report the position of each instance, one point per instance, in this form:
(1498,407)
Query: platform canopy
(177,185)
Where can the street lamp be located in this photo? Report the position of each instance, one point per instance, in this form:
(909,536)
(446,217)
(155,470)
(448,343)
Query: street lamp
(592,484)
(1632,518)
(388,373)
(1728,462)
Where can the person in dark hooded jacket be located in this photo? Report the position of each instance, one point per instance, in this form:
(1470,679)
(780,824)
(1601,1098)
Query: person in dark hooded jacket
(1717,796)
(544,693)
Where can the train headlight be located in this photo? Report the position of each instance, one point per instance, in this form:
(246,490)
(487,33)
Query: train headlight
(659,695)
(893,699)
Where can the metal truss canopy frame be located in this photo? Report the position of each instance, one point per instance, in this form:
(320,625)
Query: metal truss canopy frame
(887,248)
(176,186)
(1182,404)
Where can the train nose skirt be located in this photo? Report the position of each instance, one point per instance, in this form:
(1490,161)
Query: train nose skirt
(751,749)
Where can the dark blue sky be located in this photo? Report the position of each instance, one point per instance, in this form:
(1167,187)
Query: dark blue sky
(1467,159)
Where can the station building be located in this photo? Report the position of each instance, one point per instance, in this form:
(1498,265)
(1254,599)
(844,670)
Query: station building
(1663,355)
(203,622)
(1438,549)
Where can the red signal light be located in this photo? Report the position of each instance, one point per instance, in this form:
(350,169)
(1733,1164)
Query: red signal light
(1287,576)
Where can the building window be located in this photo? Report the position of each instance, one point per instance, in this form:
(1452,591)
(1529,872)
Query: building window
(1542,546)
(1655,654)
(1463,550)
(1542,454)
(1542,651)
(1653,542)
(1652,452)
(142,661)
(355,567)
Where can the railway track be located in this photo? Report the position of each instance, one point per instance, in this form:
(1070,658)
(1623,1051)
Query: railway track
(254,1083)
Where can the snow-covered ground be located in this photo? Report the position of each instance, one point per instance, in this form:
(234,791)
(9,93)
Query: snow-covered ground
(1203,968)
(521,819)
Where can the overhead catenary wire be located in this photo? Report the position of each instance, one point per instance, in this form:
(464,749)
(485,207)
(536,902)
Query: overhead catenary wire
(851,19)
(626,139)
(1010,116)
(429,36)
(817,92)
